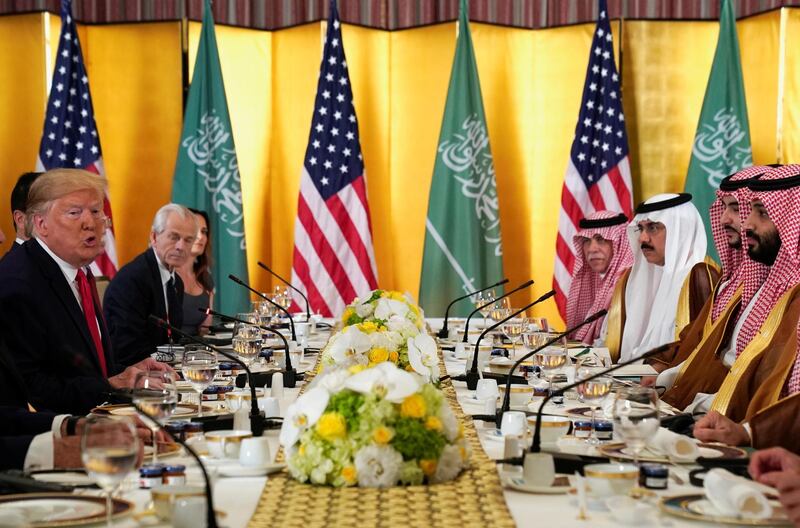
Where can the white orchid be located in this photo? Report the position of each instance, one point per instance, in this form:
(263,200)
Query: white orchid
(364,310)
(386,308)
(386,380)
(402,326)
(350,342)
(378,466)
(303,414)
(386,339)
(332,380)
(423,357)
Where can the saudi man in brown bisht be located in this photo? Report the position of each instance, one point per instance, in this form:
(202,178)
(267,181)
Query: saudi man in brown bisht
(769,308)
(704,336)
(603,254)
(669,281)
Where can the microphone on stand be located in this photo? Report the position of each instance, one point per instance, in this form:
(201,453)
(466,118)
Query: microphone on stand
(479,308)
(472,373)
(443,332)
(303,295)
(289,374)
(536,444)
(256,417)
(211,518)
(240,282)
(506,405)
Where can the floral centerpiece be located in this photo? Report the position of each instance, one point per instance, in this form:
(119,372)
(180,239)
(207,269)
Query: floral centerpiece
(387,309)
(373,427)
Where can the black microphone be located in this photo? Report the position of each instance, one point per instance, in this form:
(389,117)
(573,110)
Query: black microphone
(211,518)
(289,374)
(479,308)
(303,295)
(240,282)
(472,373)
(443,332)
(256,417)
(536,444)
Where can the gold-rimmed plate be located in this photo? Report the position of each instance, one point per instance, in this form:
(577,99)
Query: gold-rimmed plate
(559,486)
(164,450)
(696,507)
(619,451)
(124,409)
(57,509)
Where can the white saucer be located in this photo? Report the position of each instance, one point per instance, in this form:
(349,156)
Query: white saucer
(238,470)
(517,483)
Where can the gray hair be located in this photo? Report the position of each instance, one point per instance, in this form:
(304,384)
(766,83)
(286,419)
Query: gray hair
(160,220)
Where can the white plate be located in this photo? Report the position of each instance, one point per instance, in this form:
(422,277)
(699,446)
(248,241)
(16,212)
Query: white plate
(518,483)
(49,509)
(238,470)
(68,478)
(705,452)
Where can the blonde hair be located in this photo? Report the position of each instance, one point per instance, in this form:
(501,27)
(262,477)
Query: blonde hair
(56,183)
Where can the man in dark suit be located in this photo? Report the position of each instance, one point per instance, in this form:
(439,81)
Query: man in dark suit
(50,315)
(19,200)
(149,285)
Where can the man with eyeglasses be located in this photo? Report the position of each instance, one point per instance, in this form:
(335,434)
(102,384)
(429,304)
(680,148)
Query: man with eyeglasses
(50,315)
(602,256)
(669,281)
(149,285)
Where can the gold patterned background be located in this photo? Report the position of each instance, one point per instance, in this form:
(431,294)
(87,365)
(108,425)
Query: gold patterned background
(531,82)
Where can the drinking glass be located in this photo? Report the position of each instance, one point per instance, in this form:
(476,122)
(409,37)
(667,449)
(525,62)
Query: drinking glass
(109,449)
(485,299)
(513,330)
(247,343)
(199,368)
(550,360)
(500,310)
(156,394)
(282,297)
(593,392)
(636,417)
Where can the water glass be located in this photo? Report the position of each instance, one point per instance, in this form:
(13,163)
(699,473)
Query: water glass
(636,417)
(155,393)
(199,368)
(593,392)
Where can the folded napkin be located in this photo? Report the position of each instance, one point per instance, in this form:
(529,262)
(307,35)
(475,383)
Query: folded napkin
(677,447)
(735,496)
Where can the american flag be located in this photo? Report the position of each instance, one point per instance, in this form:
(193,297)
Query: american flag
(333,259)
(70,134)
(598,175)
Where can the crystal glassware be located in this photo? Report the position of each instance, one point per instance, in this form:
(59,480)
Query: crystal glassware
(199,368)
(155,393)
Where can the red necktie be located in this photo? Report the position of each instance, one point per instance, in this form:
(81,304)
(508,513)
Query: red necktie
(87,296)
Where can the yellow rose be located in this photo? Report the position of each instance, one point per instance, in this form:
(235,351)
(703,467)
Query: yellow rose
(413,407)
(428,467)
(355,369)
(349,474)
(347,314)
(382,435)
(331,425)
(397,296)
(394,356)
(433,424)
(378,355)
(367,327)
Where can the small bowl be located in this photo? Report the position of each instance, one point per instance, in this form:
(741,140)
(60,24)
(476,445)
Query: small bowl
(607,480)
(164,497)
(520,394)
(553,428)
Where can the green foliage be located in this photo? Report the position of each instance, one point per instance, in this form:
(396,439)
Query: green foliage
(354,319)
(413,441)
(375,296)
(348,404)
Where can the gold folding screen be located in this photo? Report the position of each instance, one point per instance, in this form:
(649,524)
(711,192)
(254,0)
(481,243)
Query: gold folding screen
(531,82)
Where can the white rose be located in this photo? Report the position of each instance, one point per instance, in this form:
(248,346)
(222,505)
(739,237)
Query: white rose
(364,310)
(449,422)
(378,466)
(449,465)
(389,307)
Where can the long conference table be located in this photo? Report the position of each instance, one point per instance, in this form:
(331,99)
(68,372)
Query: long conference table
(238,497)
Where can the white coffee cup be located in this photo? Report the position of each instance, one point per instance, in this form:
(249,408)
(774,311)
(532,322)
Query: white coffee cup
(276,390)
(189,512)
(226,444)
(255,452)
(270,406)
(487,388)
(301,329)
(538,469)
(513,423)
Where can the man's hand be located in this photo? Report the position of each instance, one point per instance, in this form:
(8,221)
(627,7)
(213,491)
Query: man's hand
(127,378)
(152,364)
(716,427)
(780,469)
(67,452)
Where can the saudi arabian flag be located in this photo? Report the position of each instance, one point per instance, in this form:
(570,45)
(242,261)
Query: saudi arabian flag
(722,141)
(462,252)
(207,173)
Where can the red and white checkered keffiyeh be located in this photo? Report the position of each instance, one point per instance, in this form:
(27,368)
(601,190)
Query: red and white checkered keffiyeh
(782,206)
(589,292)
(732,260)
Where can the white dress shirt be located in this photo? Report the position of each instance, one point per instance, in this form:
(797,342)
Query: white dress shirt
(166,275)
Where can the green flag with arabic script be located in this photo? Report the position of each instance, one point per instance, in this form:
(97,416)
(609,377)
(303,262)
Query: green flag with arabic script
(722,142)
(463,250)
(207,172)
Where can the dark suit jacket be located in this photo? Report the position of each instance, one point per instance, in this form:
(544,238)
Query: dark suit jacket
(46,332)
(134,293)
(17,429)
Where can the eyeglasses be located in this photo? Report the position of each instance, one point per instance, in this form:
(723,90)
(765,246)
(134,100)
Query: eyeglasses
(651,228)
